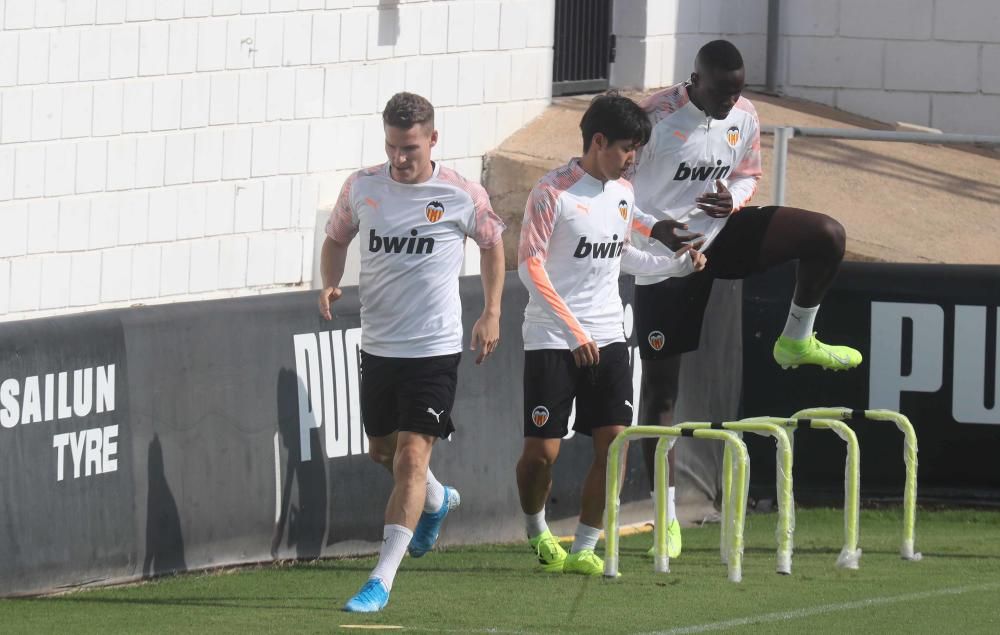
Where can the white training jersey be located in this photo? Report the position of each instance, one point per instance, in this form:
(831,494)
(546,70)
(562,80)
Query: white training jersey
(686,153)
(412,246)
(575,241)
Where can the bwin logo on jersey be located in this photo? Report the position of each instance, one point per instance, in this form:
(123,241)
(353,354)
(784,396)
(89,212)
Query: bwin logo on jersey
(434,211)
(701,172)
(623,209)
(540,416)
(400,244)
(599,250)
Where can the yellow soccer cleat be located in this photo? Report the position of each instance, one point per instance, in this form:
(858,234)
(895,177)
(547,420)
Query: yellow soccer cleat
(584,562)
(673,541)
(794,353)
(551,555)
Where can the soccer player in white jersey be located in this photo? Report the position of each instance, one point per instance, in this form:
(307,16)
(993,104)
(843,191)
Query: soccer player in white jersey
(575,240)
(413,216)
(701,167)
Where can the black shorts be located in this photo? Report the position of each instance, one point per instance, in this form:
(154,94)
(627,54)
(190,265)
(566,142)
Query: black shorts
(668,314)
(552,379)
(409,394)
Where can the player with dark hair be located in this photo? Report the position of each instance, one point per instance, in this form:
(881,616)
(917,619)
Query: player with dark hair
(575,240)
(701,167)
(414,217)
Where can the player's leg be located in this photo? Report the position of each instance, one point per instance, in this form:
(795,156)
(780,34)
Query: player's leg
(659,390)
(406,502)
(549,381)
(534,482)
(817,242)
(604,409)
(413,453)
(428,396)
(383,450)
(390,422)
(668,319)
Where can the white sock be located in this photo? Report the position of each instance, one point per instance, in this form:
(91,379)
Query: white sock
(435,493)
(671,507)
(395,539)
(585,538)
(535,524)
(799,325)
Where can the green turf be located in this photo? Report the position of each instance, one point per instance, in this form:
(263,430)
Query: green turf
(955,588)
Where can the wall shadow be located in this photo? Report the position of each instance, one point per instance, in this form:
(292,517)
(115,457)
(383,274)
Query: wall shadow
(302,519)
(164,540)
(388,22)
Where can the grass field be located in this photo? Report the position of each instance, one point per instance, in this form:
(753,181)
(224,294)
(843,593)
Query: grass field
(494,589)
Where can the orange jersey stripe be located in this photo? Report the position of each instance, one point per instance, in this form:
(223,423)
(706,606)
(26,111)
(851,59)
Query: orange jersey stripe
(536,270)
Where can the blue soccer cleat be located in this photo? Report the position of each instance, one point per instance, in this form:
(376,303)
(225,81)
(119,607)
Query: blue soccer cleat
(372,598)
(429,526)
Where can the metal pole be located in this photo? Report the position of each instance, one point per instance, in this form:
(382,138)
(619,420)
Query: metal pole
(781,137)
(773,40)
(858,134)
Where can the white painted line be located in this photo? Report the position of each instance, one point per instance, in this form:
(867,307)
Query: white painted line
(493,631)
(823,609)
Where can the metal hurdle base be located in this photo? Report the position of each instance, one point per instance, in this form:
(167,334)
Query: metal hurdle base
(661,561)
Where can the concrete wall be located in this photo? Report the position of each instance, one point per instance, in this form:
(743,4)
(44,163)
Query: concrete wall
(658,39)
(163,150)
(930,62)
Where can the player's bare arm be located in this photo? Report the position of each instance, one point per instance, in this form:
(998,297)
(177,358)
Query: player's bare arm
(718,204)
(486,332)
(332,259)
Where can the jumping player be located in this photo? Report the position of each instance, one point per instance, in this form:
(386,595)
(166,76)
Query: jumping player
(413,216)
(701,167)
(575,240)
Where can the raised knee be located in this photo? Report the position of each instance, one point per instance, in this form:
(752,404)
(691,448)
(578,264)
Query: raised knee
(834,236)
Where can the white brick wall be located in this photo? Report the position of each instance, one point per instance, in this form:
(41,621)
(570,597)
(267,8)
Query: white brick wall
(657,39)
(893,60)
(181,149)
(936,54)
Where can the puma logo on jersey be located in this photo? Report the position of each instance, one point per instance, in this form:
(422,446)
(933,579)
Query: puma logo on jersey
(400,244)
(701,172)
(437,415)
(599,250)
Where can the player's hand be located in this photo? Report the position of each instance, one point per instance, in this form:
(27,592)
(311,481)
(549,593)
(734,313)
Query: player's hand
(698,259)
(327,297)
(587,355)
(718,204)
(485,336)
(665,231)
